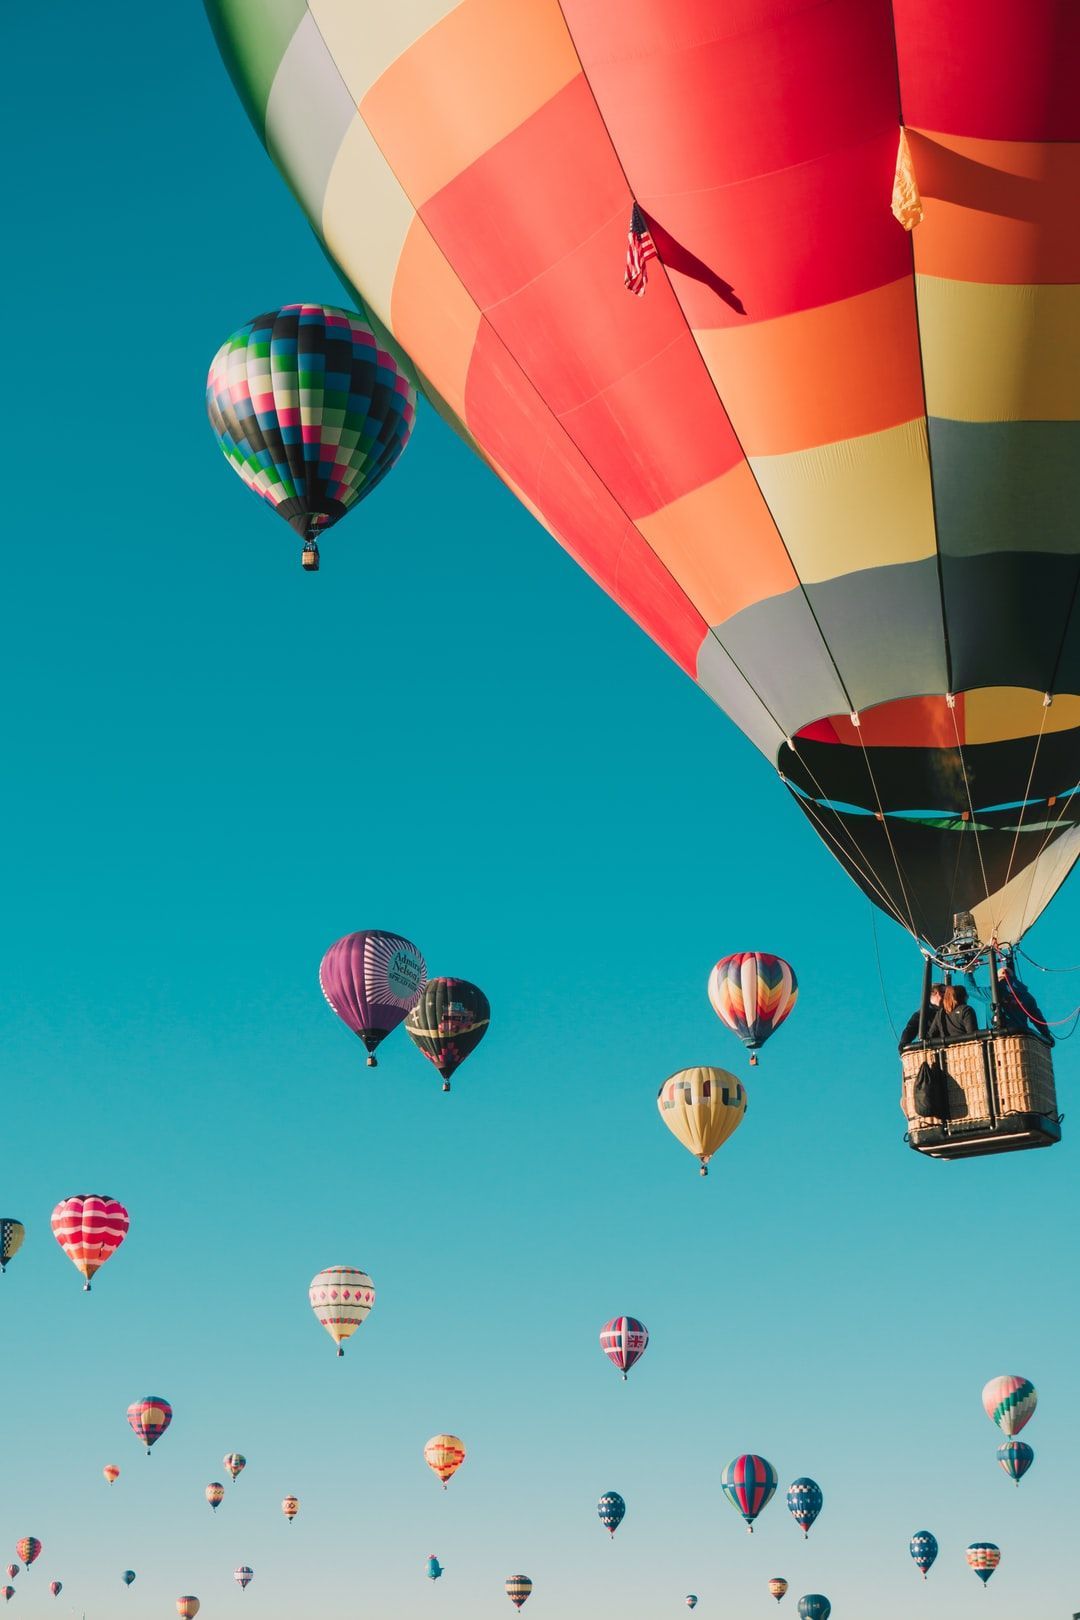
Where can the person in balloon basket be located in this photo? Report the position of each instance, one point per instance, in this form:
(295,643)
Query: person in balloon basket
(951,1018)
(910,1036)
(1019,1009)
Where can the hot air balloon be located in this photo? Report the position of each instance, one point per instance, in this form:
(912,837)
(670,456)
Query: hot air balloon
(624,1340)
(128,1576)
(243,1576)
(804,1500)
(448,1022)
(702,1108)
(187,1607)
(12,1571)
(149,1418)
(311,411)
(752,993)
(878,427)
(56,1587)
(691,1600)
(612,1510)
(1010,1401)
(89,1228)
(518,1588)
(984,1558)
(290,1507)
(28,1549)
(777,1587)
(444,1455)
(7,1593)
(434,1568)
(215,1494)
(1016,1457)
(111,1472)
(12,1233)
(341,1298)
(234,1464)
(814,1607)
(749,1484)
(924,1549)
(371,980)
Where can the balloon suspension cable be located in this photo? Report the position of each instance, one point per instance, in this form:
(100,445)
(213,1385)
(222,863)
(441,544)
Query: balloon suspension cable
(1027,791)
(1034,865)
(1039,967)
(885,826)
(972,823)
(1044,1023)
(880,973)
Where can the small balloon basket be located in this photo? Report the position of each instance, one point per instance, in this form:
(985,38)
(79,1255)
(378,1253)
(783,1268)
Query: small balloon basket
(996,1092)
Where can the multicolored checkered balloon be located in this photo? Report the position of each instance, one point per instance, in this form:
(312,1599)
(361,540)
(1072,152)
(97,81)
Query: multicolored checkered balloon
(984,1558)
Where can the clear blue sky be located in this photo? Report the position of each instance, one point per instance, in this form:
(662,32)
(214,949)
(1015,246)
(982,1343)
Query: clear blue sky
(195,811)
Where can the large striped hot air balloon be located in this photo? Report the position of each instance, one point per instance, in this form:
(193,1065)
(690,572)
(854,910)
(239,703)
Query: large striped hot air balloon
(518,1588)
(312,411)
(371,980)
(215,1494)
(444,1455)
(749,1484)
(290,1507)
(341,1298)
(1016,1457)
(827,460)
(777,1587)
(701,1108)
(234,1463)
(149,1418)
(89,1228)
(804,1501)
(448,1022)
(752,993)
(1009,1402)
(624,1340)
(923,1548)
(983,1557)
(28,1549)
(244,1576)
(12,1233)
(612,1511)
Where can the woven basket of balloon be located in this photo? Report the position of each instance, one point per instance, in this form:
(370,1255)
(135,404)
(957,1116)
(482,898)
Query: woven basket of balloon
(996,1092)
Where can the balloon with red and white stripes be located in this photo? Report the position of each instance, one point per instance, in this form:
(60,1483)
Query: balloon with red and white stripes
(749,1483)
(623,1341)
(243,1576)
(89,1227)
(149,1418)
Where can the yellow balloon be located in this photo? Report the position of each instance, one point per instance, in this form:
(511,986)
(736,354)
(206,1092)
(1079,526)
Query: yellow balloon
(702,1107)
(444,1455)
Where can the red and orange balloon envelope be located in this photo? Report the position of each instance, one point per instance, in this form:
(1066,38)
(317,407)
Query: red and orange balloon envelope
(372,980)
(444,1455)
(215,1494)
(290,1507)
(752,993)
(149,1418)
(111,1472)
(623,1340)
(448,1022)
(777,1587)
(28,1549)
(89,1228)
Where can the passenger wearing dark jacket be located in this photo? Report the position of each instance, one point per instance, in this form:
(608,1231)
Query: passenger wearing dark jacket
(911,1028)
(1019,1009)
(954,1019)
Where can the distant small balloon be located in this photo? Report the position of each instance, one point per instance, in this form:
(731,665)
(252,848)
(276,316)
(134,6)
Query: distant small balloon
(777,1587)
(984,1558)
(612,1510)
(187,1607)
(1010,1402)
(804,1500)
(128,1576)
(56,1587)
(691,1600)
(149,1418)
(215,1494)
(243,1577)
(518,1588)
(923,1548)
(234,1464)
(448,1022)
(444,1455)
(7,1593)
(111,1472)
(814,1607)
(702,1107)
(290,1507)
(1016,1457)
(28,1549)
(89,1228)
(749,1483)
(371,980)
(752,993)
(12,1233)
(434,1568)
(341,1298)
(624,1340)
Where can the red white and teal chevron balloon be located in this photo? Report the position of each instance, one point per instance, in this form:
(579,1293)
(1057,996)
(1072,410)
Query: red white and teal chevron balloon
(1010,1401)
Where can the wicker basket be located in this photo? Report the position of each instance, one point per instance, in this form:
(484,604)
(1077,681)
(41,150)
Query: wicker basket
(966,1079)
(1000,1096)
(1025,1076)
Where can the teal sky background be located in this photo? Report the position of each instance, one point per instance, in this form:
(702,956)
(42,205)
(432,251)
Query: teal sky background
(216,765)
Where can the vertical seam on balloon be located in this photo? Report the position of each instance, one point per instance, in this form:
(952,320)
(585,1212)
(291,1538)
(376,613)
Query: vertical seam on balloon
(922,380)
(719,397)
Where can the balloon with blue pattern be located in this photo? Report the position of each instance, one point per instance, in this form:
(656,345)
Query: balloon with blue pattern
(814,1607)
(434,1568)
(923,1548)
(804,1500)
(1016,1457)
(612,1510)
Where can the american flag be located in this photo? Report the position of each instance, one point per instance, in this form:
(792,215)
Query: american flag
(640,248)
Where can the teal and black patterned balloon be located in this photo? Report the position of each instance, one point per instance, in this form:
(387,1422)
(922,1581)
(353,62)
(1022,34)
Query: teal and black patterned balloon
(1016,1457)
(311,411)
(612,1510)
(814,1607)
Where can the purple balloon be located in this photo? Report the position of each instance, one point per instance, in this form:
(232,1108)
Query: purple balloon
(371,980)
